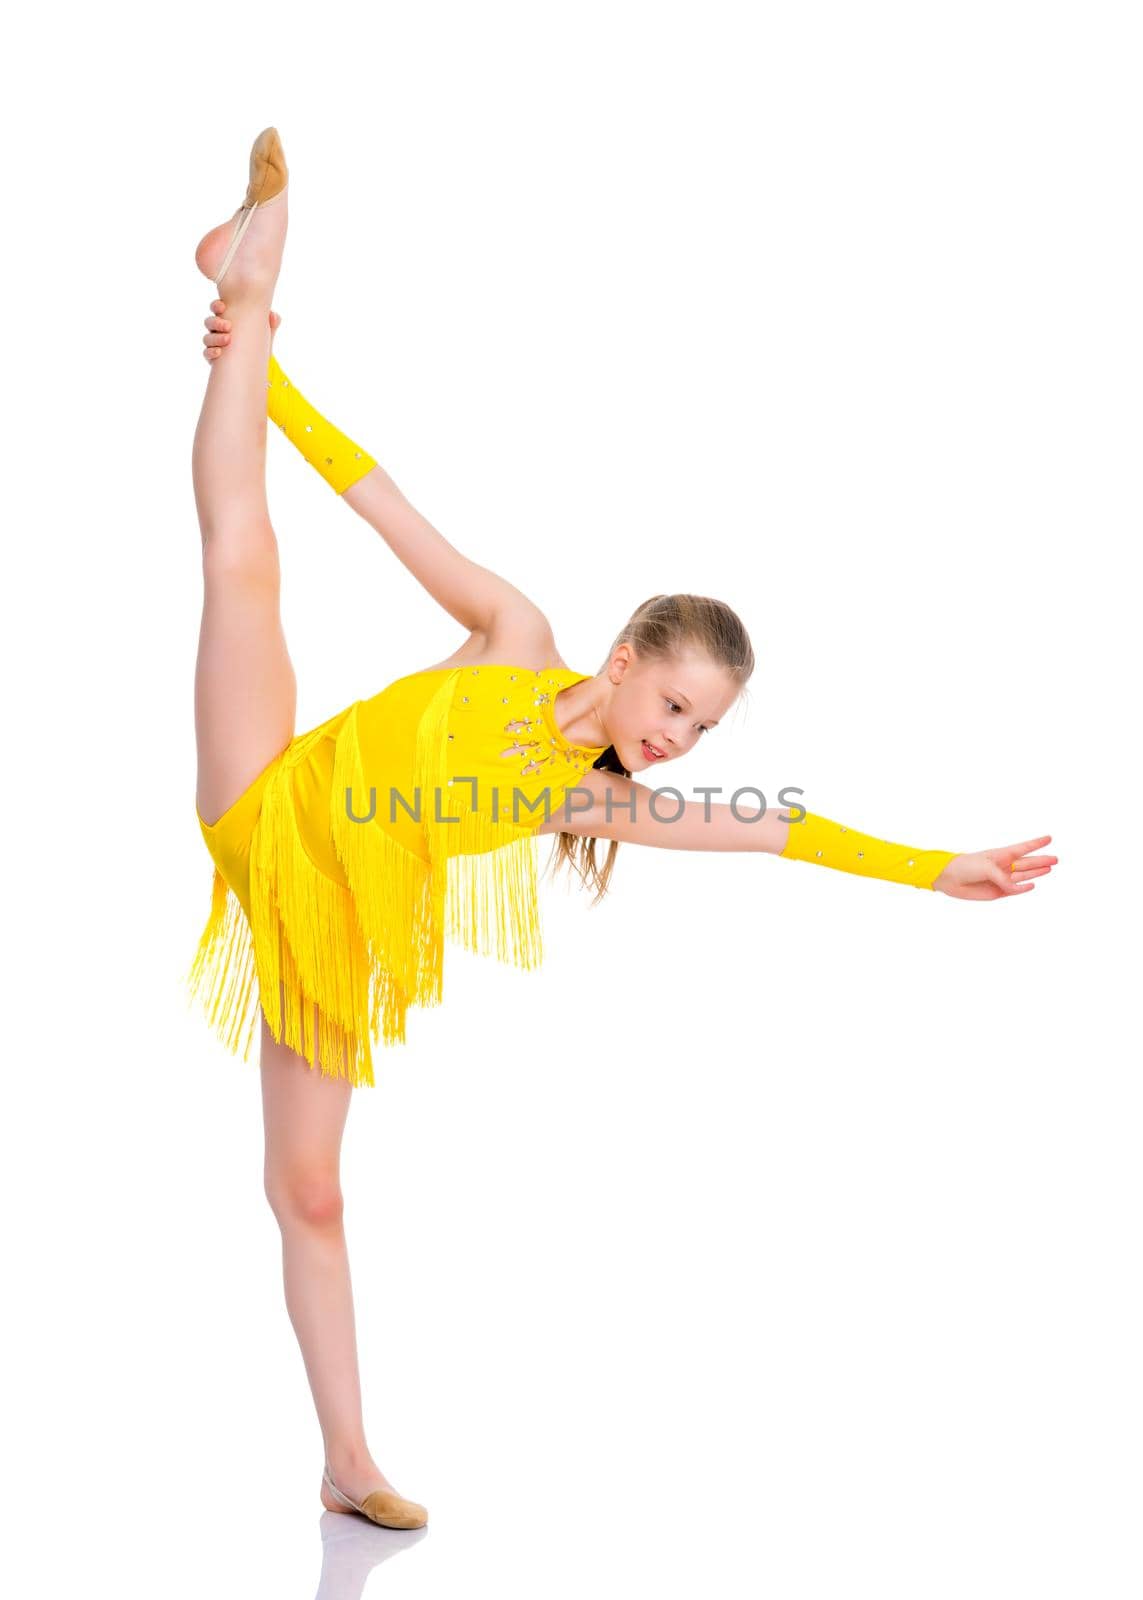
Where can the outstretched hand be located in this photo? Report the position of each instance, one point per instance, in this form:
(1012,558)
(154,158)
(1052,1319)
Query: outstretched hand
(217,336)
(991,874)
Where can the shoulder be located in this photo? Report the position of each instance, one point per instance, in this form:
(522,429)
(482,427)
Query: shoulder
(523,637)
(519,637)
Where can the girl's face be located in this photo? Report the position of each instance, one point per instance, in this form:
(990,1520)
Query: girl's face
(659,710)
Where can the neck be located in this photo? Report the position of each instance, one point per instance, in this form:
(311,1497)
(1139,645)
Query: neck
(584,708)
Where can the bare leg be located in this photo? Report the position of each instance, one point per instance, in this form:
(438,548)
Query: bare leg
(304,1115)
(245,693)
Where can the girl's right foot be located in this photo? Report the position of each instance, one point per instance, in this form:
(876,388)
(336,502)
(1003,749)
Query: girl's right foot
(358,1481)
(355,1481)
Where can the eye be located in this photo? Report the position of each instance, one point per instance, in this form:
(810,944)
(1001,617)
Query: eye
(674,705)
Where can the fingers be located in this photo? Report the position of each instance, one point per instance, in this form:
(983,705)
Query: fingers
(1029,844)
(219,333)
(1005,880)
(217,323)
(217,336)
(1012,864)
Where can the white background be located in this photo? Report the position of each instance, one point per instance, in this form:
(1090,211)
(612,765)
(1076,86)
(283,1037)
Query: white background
(781,1237)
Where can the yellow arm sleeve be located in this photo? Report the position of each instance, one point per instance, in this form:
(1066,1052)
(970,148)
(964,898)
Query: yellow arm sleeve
(329,451)
(830,844)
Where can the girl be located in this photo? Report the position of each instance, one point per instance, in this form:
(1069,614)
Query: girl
(343,855)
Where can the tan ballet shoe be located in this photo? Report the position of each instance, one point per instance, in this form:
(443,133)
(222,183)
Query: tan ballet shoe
(384,1506)
(269,177)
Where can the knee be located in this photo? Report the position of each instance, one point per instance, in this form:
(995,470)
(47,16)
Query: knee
(242,554)
(305,1195)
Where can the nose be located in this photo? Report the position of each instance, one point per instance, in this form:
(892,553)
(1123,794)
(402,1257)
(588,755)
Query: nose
(681,742)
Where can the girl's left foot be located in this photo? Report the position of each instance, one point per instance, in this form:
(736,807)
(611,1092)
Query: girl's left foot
(255,267)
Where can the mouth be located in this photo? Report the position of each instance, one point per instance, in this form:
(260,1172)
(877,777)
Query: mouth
(653,753)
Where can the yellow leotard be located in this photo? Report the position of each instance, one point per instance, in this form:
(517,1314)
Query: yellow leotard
(406,817)
(343,866)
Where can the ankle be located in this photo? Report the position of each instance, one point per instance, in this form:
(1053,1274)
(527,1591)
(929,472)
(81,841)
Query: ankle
(248,300)
(348,1458)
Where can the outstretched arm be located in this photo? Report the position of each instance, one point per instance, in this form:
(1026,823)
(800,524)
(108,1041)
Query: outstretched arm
(607,805)
(478,598)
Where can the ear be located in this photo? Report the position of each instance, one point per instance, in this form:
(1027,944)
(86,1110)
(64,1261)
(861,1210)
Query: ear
(622,657)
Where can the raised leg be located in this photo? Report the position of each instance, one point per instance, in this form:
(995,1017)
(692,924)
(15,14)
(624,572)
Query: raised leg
(304,1115)
(245,693)
(365,486)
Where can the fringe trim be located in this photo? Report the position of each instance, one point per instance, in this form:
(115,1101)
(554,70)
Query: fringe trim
(388,886)
(222,975)
(493,906)
(483,884)
(478,887)
(308,947)
(335,966)
(430,766)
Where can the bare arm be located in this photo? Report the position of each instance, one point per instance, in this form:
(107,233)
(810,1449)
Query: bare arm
(606,805)
(479,599)
(475,596)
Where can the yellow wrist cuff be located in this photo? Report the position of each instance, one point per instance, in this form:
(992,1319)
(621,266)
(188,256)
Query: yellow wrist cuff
(329,451)
(829,844)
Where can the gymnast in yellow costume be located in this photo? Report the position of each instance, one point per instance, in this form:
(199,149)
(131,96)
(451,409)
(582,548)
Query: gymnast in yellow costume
(346,855)
(334,926)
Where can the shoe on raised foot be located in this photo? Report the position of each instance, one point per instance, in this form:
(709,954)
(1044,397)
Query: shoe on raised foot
(268,181)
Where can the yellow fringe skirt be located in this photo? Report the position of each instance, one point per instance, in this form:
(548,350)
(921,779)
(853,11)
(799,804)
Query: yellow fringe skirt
(332,929)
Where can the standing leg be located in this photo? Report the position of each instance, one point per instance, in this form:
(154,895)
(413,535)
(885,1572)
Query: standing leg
(245,693)
(304,1116)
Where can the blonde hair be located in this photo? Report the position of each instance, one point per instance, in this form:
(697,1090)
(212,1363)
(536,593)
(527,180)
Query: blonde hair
(664,627)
